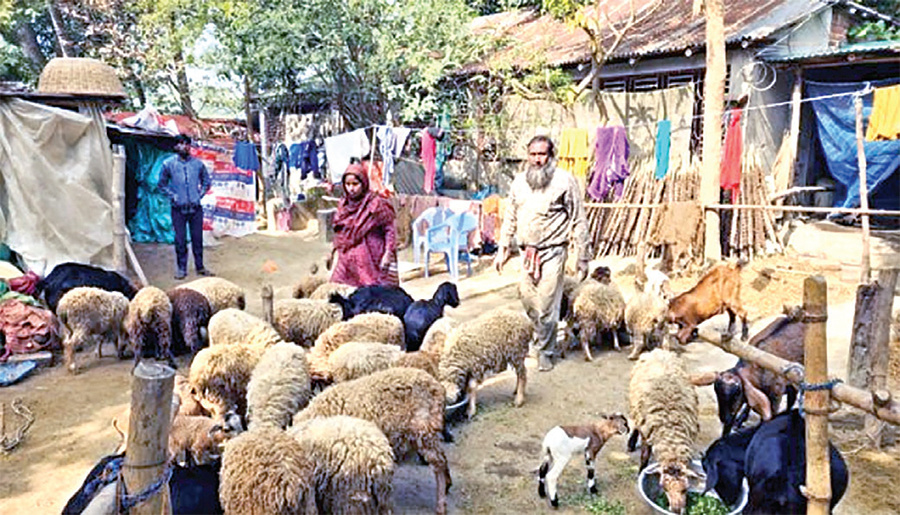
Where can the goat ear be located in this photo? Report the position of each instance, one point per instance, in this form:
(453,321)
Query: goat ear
(756,398)
(703,378)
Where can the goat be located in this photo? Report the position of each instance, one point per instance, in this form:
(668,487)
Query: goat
(422,313)
(748,386)
(392,300)
(717,292)
(563,442)
(67,276)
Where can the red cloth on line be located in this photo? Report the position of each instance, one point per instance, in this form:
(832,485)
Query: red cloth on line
(363,232)
(730,172)
(429,148)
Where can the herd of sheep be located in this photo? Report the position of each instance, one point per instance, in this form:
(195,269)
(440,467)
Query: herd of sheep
(308,413)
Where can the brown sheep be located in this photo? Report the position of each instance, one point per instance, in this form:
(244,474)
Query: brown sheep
(149,319)
(719,291)
(190,314)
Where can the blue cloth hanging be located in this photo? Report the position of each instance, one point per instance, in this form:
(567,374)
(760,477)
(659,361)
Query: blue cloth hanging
(245,156)
(663,142)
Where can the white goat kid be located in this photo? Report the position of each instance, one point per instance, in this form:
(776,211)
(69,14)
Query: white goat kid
(563,442)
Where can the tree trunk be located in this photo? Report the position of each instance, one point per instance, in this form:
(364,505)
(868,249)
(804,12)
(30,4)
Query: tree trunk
(182,87)
(64,44)
(27,40)
(713,102)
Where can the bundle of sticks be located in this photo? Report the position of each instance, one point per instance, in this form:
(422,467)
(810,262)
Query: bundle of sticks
(751,231)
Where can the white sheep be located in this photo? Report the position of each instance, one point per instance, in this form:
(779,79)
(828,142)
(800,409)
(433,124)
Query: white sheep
(307,284)
(279,386)
(219,376)
(562,443)
(598,308)
(354,464)
(367,327)
(301,321)
(324,291)
(150,317)
(645,318)
(405,403)
(357,359)
(436,336)
(488,344)
(88,313)
(221,293)
(236,327)
(664,410)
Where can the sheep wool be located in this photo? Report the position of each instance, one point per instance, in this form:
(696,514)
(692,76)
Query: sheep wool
(367,327)
(235,327)
(598,307)
(87,312)
(301,321)
(645,316)
(324,291)
(436,337)
(150,312)
(664,405)
(307,285)
(357,359)
(267,472)
(221,293)
(279,386)
(355,464)
(488,344)
(219,377)
(190,313)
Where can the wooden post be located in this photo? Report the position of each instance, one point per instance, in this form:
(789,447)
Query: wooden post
(879,349)
(713,104)
(866,264)
(796,99)
(861,335)
(118,208)
(268,303)
(816,402)
(148,434)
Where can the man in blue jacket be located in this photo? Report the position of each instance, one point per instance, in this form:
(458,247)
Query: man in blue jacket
(185,180)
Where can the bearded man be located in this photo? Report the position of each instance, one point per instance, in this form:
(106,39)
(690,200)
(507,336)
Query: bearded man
(546,214)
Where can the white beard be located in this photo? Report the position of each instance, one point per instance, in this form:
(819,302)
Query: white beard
(538,177)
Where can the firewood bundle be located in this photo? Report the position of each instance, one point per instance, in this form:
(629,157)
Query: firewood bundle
(752,232)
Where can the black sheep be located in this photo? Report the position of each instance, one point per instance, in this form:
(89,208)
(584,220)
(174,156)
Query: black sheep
(66,276)
(392,300)
(422,313)
(190,314)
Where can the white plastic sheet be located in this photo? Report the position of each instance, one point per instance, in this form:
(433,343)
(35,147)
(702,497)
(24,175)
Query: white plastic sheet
(56,168)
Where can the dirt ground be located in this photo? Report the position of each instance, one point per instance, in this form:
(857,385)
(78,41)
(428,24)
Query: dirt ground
(495,456)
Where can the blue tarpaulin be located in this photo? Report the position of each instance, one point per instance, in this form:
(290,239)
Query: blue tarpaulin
(152,221)
(836,122)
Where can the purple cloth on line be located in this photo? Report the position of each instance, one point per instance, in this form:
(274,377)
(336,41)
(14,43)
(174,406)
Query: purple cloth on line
(610,163)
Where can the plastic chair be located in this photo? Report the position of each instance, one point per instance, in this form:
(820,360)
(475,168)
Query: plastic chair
(452,239)
(429,218)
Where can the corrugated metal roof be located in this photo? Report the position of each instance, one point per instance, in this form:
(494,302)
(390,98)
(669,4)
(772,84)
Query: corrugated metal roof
(882,47)
(670,28)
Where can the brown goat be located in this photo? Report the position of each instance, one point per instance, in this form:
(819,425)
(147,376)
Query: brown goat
(717,292)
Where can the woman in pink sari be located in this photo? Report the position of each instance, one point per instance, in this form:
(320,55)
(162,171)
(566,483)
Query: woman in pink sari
(365,240)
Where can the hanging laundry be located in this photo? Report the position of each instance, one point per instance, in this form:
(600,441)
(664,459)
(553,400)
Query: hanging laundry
(245,156)
(610,163)
(444,149)
(663,142)
(340,149)
(429,147)
(375,171)
(884,122)
(574,153)
(730,171)
(305,157)
(391,141)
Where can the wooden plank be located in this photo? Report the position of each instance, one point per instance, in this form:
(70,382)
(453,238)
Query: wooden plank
(816,402)
(865,271)
(879,350)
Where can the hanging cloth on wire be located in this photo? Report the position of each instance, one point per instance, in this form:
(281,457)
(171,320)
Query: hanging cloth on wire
(391,141)
(429,147)
(730,171)
(304,157)
(245,156)
(444,149)
(574,153)
(663,142)
(884,122)
(610,163)
(340,149)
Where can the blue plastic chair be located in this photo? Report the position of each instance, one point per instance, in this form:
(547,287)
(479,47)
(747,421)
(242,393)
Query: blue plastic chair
(429,218)
(452,239)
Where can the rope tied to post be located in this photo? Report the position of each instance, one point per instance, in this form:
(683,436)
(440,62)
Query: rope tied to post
(126,502)
(818,387)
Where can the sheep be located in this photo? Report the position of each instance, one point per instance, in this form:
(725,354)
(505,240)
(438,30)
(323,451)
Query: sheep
(664,409)
(748,386)
(88,312)
(562,443)
(422,313)
(266,471)
(490,343)
(219,376)
(150,315)
(717,292)
(436,336)
(598,308)
(371,327)
(307,284)
(405,403)
(645,317)
(190,316)
(221,293)
(392,300)
(279,386)
(354,464)
(324,291)
(357,359)
(188,405)
(301,321)
(235,327)
(67,276)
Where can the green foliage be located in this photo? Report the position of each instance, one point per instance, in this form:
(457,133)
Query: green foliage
(878,30)
(563,9)
(594,504)
(14,66)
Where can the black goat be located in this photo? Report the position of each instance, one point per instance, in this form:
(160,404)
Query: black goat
(422,313)
(66,276)
(772,456)
(392,300)
(747,386)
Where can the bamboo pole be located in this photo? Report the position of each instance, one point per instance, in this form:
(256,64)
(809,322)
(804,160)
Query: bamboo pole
(713,104)
(816,402)
(148,435)
(267,303)
(118,207)
(804,209)
(796,98)
(863,192)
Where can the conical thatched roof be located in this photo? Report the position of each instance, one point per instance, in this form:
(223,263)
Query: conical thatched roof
(80,76)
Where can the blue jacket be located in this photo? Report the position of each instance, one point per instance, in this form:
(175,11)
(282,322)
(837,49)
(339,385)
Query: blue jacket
(184,181)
